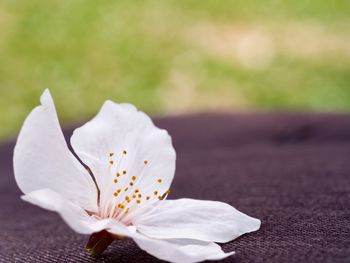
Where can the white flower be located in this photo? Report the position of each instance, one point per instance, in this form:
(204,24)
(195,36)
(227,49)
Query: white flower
(121,192)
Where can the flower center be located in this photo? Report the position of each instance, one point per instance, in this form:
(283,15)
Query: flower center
(129,193)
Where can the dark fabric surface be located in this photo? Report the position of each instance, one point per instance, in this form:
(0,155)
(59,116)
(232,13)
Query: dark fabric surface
(290,170)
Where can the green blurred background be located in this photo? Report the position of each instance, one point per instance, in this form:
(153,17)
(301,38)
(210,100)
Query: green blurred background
(174,56)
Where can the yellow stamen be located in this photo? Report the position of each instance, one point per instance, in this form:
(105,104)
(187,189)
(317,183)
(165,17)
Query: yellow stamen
(165,194)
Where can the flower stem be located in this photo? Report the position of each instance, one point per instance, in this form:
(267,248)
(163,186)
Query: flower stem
(98,242)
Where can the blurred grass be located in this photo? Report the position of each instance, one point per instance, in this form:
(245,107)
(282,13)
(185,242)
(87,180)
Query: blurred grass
(173,56)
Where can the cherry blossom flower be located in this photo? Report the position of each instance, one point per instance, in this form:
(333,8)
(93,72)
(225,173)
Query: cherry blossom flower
(118,186)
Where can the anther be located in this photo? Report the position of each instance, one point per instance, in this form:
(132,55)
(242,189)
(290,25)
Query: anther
(133,178)
(165,194)
(125,152)
(118,174)
(148,197)
(159,180)
(145,162)
(155,192)
(136,190)
(119,190)
(139,195)
(126,189)
(133,196)
(115,194)
(111,162)
(131,183)
(115,181)
(124,172)
(111,154)
(138,201)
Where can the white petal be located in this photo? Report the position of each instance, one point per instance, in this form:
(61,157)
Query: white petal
(72,214)
(119,127)
(181,250)
(195,219)
(43,160)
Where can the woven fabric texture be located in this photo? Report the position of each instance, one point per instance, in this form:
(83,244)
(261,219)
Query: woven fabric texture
(290,170)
